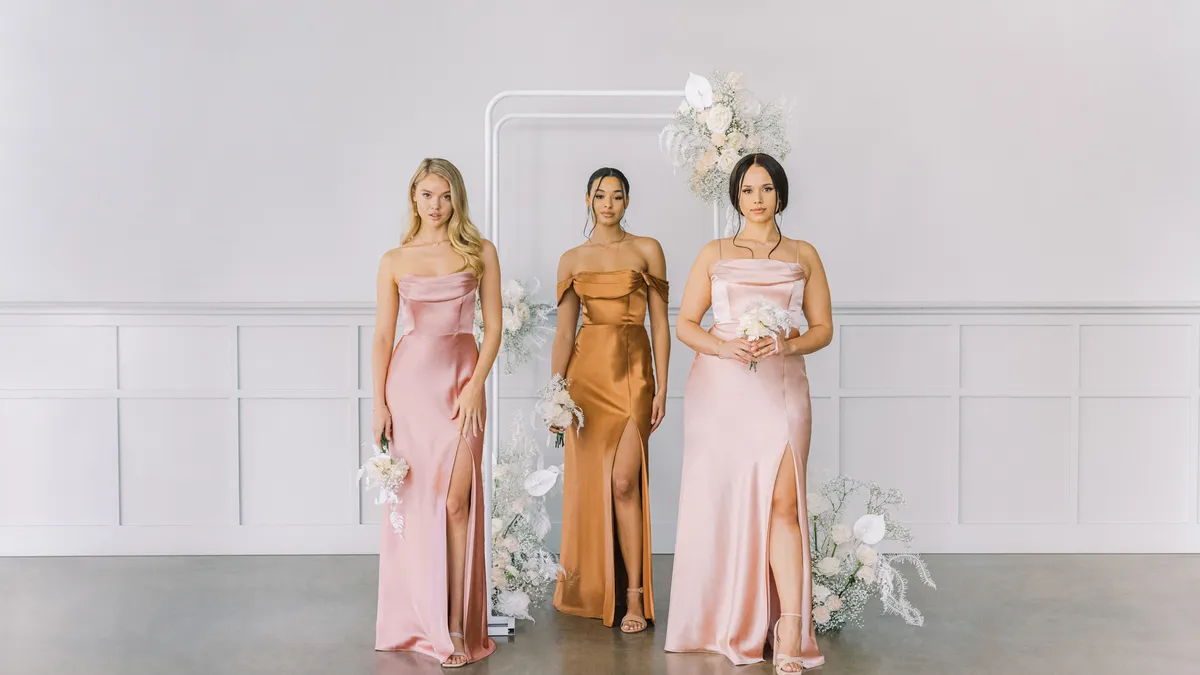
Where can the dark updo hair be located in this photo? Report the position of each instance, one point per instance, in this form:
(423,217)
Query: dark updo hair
(778,180)
(774,169)
(597,176)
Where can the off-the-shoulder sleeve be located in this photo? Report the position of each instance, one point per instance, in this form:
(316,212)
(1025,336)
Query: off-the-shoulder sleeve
(660,286)
(563,287)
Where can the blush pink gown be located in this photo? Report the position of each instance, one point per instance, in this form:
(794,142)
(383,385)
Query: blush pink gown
(431,364)
(737,424)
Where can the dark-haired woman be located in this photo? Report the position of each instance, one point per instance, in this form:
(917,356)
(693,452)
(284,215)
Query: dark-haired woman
(613,277)
(742,554)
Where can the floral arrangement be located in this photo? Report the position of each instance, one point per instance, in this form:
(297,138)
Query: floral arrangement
(523,570)
(388,472)
(847,569)
(763,319)
(557,409)
(526,324)
(717,124)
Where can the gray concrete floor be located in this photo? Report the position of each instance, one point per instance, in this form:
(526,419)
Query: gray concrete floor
(1091,615)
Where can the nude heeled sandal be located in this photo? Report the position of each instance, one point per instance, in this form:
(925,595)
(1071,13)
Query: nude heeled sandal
(780,659)
(645,623)
(453,654)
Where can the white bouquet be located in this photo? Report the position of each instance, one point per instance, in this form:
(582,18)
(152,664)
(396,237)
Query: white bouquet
(523,569)
(388,472)
(717,124)
(526,324)
(557,409)
(847,568)
(763,319)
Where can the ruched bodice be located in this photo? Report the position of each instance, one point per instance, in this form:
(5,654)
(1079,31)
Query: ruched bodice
(438,305)
(611,298)
(738,283)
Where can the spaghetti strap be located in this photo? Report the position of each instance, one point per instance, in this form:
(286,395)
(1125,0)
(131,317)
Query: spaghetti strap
(798,251)
(720,250)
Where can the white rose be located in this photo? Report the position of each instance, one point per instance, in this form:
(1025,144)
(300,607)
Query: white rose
(735,140)
(841,533)
(522,311)
(512,571)
(753,142)
(719,117)
(727,161)
(867,555)
(497,526)
(818,504)
(562,419)
(512,292)
(735,80)
(834,603)
(511,544)
(512,322)
(821,615)
(501,559)
(718,138)
(866,575)
(829,567)
(820,592)
(498,579)
(684,107)
(562,397)
(703,117)
(518,507)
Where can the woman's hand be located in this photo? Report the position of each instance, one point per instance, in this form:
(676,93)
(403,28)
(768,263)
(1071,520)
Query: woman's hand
(468,410)
(381,427)
(658,410)
(741,350)
(767,347)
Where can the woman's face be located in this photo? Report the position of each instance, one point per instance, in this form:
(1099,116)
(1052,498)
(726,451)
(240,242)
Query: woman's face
(432,194)
(757,200)
(607,201)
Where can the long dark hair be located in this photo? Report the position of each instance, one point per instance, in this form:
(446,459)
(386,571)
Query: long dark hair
(597,176)
(778,179)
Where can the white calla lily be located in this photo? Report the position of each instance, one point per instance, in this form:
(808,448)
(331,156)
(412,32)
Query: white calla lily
(698,91)
(870,529)
(539,482)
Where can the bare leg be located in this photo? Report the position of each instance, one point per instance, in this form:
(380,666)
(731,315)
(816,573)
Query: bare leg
(787,551)
(458,505)
(627,502)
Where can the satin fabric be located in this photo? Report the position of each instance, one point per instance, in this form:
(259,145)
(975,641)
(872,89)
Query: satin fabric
(611,379)
(737,424)
(430,365)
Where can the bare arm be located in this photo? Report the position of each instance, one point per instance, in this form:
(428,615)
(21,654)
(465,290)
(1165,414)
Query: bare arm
(697,298)
(468,408)
(660,324)
(817,307)
(489,297)
(387,305)
(568,321)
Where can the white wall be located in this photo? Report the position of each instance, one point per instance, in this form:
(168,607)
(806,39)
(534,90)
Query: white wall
(1004,153)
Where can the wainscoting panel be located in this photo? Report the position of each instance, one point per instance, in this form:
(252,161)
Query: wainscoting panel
(238,429)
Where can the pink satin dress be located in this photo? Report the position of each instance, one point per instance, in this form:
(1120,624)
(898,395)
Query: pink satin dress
(737,424)
(431,364)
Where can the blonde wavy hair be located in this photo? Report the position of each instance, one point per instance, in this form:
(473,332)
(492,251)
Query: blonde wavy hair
(464,236)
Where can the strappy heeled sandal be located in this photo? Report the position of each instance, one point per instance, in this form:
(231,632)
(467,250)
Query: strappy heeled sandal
(453,654)
(628,619)
(779,659)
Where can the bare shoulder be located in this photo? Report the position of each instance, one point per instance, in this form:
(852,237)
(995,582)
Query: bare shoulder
(649,247)
(391,259)
(711,252)
(567,261)
(487,247)
(804,250)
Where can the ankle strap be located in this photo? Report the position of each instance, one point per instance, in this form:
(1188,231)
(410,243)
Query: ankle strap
(798,616)
(458,635)
(633,590)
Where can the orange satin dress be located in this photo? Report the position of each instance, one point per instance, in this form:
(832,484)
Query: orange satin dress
(611,379)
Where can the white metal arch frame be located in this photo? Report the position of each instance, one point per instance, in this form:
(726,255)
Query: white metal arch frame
(491,200)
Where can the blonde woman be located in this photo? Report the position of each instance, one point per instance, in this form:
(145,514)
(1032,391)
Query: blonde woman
(429,404)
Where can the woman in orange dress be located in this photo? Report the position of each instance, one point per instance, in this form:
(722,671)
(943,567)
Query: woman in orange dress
(614,278)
